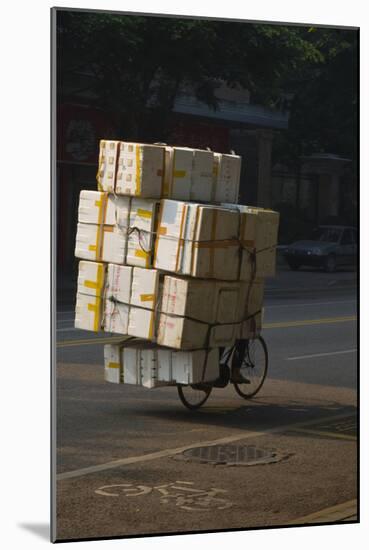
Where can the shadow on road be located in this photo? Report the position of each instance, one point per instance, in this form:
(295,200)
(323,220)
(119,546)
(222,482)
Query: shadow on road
(259,415)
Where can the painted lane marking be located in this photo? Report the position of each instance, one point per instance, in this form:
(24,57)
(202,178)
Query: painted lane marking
(170,452)
(196,500)
(286,324)
(303,323)
(321,354)
(335,435)
(92,340)
(272,290)
(340,512)
(310,304)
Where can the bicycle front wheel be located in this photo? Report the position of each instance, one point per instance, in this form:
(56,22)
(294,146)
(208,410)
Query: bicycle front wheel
(254,367)
(193,397)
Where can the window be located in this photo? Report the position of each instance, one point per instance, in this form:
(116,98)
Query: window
(327,234)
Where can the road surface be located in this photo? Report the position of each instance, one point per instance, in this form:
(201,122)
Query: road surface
(120,462)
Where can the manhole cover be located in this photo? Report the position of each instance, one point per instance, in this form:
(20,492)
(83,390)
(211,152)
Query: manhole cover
(241,455)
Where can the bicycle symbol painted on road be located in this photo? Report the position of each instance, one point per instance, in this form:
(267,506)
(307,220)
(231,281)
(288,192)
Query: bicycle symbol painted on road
(180,493)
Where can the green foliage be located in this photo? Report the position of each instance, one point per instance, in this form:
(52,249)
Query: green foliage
(131,63)
(323,112)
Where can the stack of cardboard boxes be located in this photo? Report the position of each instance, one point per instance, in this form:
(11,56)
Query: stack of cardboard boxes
(171,261)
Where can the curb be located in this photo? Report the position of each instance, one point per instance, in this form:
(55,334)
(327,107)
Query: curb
(347,511)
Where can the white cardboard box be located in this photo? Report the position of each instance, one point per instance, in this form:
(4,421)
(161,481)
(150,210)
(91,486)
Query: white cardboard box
(88,312)
(130,301)
(223,335)
(141,365)
(104,243)
(178,173)
(142,220)
(117,297)
(227,170)
(188,174)
(202,183)
(133,169)
(108,159)
(140,170)
(151,366)
(252,298)
(102,208)
(156,364)
(208,301)
(119,282)
(141,323)
(197,240)
(145,287)
(183,333)
(266,239)
(115,229)
(186,297)
(229,300)
(102,227)
(259,234)
(91,278)
(132,365)
(90,288)
(113,366)
(144,302)
(248,228)
(193,367)
(116,316)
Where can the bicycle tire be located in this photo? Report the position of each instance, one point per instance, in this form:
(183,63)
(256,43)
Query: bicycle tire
(244,390)
(197,404)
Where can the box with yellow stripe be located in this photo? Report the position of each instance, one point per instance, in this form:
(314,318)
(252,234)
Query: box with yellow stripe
(130,300)
(89,302)
(198,240)
(115,229)
(150,366)
(140,170)
(258,235)
(157,171)
(133,169)
(108,159)
(142,219)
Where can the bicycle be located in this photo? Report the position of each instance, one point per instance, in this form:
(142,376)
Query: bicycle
(248,359)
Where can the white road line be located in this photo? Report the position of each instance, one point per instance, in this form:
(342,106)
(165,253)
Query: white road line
(321,354)
(170,452)
(311,304)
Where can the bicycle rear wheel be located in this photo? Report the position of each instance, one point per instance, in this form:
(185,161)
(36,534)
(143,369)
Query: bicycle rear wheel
(254,367)
(194,396)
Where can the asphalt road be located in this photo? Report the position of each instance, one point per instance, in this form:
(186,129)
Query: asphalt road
(133,439)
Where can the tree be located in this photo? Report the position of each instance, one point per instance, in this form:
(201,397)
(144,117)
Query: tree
(137,65)
(323,112)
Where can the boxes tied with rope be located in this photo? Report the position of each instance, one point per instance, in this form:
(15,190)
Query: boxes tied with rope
(198,240)
(148,365)
(116,229)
